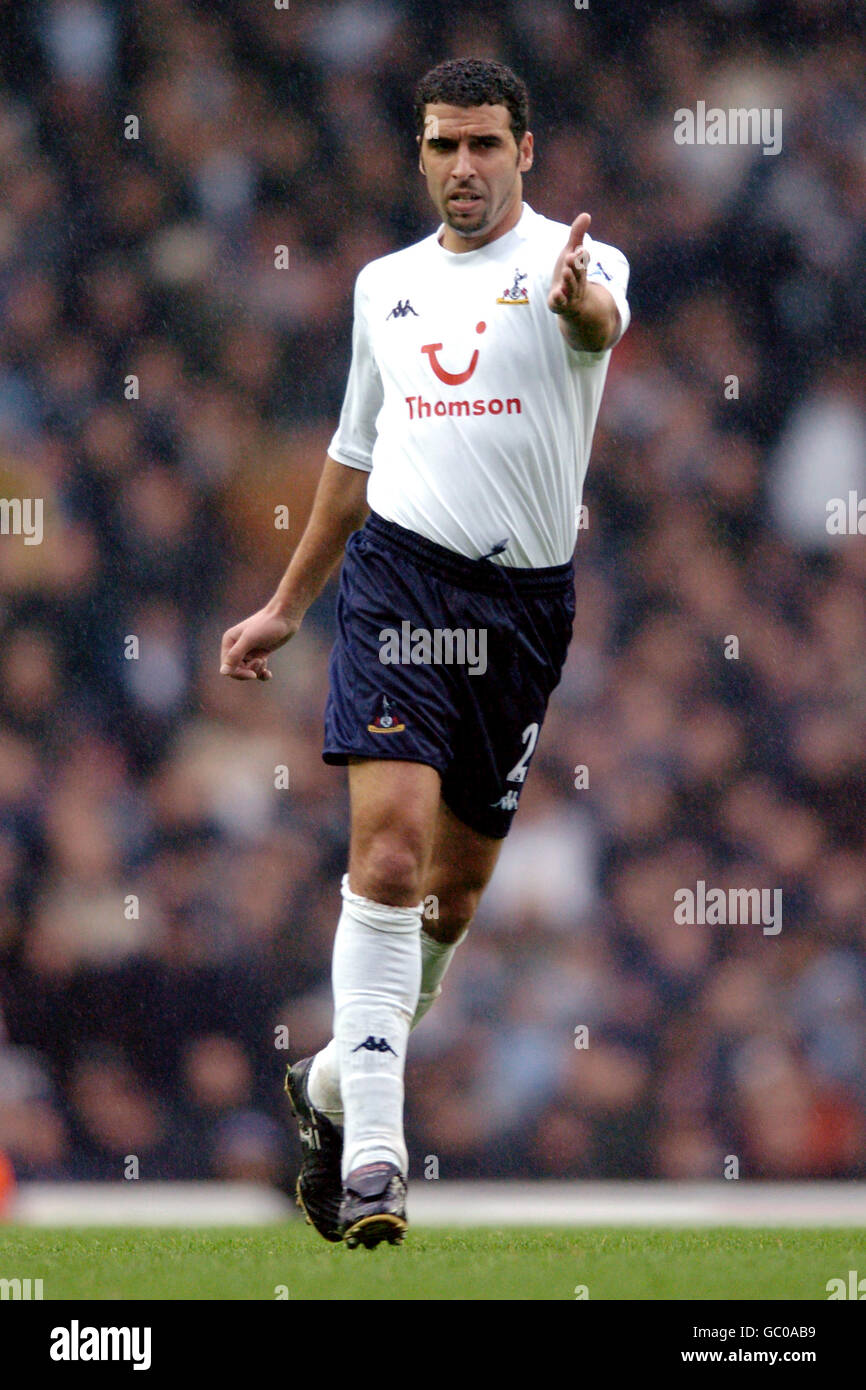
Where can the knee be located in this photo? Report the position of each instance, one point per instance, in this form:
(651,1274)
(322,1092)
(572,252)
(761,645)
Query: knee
(387,869)
(447,916)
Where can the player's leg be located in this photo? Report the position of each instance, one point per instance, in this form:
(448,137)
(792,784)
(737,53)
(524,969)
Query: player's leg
(394,819)
(377,951)
(461,866)
(392,853)
(376,978)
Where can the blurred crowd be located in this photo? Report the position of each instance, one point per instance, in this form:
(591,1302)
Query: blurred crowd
(168,902)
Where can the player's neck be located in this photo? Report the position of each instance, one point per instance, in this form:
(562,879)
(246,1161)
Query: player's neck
(450,241)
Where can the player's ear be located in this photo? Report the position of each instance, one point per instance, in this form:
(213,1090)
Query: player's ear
(526,152)
(420,156)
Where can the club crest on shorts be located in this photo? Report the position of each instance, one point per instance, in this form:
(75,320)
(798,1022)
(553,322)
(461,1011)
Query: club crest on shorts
(386,721)
(517,293)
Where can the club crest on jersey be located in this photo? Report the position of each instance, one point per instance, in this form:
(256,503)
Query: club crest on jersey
(386,721)
(517,292)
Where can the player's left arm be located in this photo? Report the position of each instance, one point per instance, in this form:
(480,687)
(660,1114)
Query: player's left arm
(589,318)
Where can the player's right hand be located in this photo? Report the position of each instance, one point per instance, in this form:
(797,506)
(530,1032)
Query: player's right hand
(247,645)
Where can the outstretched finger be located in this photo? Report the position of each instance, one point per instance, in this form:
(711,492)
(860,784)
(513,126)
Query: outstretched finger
(579,227)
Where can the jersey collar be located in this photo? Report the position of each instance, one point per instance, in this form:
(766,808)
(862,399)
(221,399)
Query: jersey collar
(518,232)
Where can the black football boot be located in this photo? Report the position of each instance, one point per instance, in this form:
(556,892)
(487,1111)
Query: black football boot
(319,1188)
(374,1206)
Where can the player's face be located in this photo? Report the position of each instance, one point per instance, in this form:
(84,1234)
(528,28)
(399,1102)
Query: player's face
(473,168)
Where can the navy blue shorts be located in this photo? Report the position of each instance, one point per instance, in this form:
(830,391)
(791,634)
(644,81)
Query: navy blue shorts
(447,661)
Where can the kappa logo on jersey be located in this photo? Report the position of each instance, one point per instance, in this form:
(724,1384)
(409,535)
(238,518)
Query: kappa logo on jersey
(598,266)
(452,378)
(386,721)
(401,309)
(517,293)
(508,802)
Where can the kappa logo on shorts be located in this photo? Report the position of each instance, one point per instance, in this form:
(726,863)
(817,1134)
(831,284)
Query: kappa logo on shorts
(386,721)
(517,293)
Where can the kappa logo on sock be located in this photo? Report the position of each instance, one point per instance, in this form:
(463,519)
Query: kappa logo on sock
(372,1044)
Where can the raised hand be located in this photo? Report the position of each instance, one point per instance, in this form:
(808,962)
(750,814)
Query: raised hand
(569,276)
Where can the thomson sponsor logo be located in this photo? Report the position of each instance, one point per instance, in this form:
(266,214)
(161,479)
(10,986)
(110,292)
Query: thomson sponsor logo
(421,409)
(77,1343)
(20,1289)
(22,516)
(443,646)
(737,126)
(749,907)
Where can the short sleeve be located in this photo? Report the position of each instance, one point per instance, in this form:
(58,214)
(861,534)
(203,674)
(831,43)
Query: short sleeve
(608,267)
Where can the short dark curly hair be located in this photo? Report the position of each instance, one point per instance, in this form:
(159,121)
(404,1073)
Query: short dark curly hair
(474,82)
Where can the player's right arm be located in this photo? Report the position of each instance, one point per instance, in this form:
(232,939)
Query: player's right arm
(339,508)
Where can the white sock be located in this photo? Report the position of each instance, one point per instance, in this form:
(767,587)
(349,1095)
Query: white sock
(323,1083)
(436,956)
(376,975)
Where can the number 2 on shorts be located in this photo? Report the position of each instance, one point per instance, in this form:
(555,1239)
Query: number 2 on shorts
(520,768)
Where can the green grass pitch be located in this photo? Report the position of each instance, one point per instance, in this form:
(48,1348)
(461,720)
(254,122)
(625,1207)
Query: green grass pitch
(519,1264)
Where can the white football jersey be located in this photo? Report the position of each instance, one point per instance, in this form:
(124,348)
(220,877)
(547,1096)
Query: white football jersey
(465,403)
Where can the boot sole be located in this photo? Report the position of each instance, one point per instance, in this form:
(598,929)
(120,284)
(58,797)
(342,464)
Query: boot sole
(370,1231)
